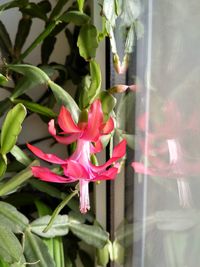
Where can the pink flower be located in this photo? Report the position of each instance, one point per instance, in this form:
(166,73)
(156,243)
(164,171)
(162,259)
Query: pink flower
(78,166)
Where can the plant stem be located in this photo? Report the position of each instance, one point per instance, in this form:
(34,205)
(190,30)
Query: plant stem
(59,208)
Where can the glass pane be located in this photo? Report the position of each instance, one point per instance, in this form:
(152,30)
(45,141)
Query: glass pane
(162,201)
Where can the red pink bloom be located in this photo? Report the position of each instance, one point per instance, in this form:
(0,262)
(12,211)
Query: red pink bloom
(78,166)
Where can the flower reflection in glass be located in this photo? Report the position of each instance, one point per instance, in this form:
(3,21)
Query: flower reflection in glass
(78,166)
(165,149)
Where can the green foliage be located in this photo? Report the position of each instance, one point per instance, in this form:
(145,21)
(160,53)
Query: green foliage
(11,250)
(87,41)
(12,127)
(30,231)
(36,251)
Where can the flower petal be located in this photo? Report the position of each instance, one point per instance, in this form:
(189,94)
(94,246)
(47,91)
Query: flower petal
(118,152)
(95,120)
(96,147)
(84,196)
(108,126)
(66,140)
(141,168)
(75,170)
(66,122)
(47,157)
(107,175)
(45,174)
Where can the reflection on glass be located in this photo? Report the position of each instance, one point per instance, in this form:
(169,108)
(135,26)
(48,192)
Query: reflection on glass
(162,225)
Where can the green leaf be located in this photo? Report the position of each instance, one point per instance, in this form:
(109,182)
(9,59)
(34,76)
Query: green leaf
(5,42)
(3,263)
(109,8)
(63,98)
(33,76)
(47,48)
(139,29)
(102,255)
(76,17)
(11,218)
(20,156)
(37,108)
(118,253)
(17,180)
(57,9)
(10,249)
(130,12)
(58,228)
(45,6)
(23,30)
(46,32)
(95,85)
(12,127)
(88,41)
(130,38)
(35,250)
(30,71)
(80,5)
(177,220)
(111,36)
(126,112)
(91,234)
(46,188)
(3,79)
(108,102)
(130,139)
(58,252)
(42,208)
(3,165)
(5,105)
(12,4)
(34,11)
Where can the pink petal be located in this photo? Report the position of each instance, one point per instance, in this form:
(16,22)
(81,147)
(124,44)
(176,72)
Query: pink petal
(141,168)
(75,170)
(66,122)
(48,157)
(96,147)
(118,152)
(84,196)
(45,174)
(141,121)
(108,127)
(95,120)
(66,140)
(107,175)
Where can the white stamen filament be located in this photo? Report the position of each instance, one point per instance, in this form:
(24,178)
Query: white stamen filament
(185,197)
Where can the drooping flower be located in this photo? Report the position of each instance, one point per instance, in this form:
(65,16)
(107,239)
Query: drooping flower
(166,151)
(78,166)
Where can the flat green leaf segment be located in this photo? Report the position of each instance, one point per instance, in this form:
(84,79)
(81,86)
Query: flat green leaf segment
(17,180)
(11,128)
(91,234)
(80,5)
(36,251)
(12,218)
(87,41)
(59,227)
(34,76)
(11,250)
(3,79)
(76,17)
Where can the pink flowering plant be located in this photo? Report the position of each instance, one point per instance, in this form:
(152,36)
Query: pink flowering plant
(46,207)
